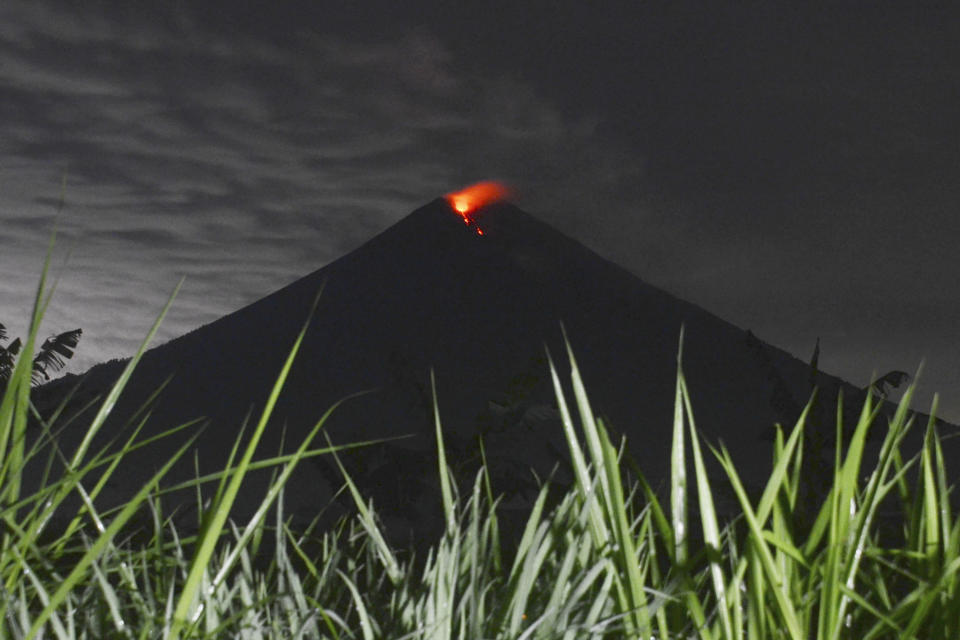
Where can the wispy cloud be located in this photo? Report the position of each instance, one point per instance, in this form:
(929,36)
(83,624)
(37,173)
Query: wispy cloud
(243,163)
(246,160)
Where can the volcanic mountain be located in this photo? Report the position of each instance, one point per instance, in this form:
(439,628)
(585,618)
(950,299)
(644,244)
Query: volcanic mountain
(431,293)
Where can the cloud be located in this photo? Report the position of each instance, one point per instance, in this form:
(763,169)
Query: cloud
(243,164)
(244,157)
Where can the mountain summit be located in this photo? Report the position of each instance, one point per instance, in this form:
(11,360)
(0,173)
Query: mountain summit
(431,293)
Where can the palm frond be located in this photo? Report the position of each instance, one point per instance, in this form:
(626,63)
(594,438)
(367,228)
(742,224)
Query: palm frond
(53,354)
(8,358)
(6,365)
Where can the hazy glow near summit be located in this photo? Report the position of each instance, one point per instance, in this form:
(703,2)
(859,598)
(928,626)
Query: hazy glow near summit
(468,200)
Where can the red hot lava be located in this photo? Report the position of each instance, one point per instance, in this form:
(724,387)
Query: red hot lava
(467,201)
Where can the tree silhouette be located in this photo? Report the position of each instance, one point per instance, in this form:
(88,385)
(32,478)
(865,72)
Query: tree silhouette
(892,378)
(50,358)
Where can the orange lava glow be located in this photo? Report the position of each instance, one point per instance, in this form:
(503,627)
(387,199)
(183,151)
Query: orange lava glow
(467,201)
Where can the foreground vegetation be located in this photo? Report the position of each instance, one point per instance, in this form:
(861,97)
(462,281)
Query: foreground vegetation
(609,560)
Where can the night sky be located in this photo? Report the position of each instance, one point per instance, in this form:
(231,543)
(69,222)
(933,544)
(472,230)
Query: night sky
(794,171)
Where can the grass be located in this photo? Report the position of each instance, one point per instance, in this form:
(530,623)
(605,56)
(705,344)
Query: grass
(609,560)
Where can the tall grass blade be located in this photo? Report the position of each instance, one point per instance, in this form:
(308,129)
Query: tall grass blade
(114,394)
(678,469)
(73,578)
(708,519)
(445,491)
(213,527)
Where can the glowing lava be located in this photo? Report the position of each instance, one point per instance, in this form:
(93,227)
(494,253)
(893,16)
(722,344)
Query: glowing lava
(467,201)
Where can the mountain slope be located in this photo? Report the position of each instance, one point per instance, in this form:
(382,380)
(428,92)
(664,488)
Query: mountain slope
(430,293)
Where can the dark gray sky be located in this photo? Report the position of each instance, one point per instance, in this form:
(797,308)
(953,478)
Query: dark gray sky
(795,171)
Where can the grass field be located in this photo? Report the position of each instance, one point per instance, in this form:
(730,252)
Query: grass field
(610,559)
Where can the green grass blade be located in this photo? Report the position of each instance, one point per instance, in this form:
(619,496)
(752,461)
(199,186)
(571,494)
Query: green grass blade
(589,426)
(625,546)
(274,491)
(14,408)
(449,506)
(708,517)
(370,525)
(366,622)
(582,474)
(73,578)
(773,577)
(678,469)
(213,528)
(114,394)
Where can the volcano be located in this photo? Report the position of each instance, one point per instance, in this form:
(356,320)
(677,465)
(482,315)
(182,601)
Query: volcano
(480,311)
